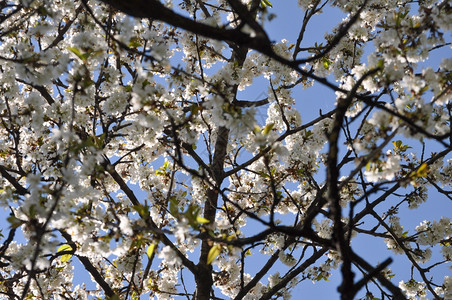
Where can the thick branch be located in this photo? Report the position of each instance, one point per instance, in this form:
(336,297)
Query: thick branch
(396,292)
(19,188)
(288,277)
(90,267)
(333,191)
(153,9)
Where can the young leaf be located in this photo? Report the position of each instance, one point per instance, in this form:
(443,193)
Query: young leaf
(150,250)
(174,206)
(326,63)
(213,253)
(265,3)
(422,171)
(201,220)
(268,128)
(76,52)
(397,144)
(65,257)
(15,222)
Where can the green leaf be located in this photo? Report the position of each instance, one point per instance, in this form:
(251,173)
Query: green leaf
(381,63)
(142,210)
(265,3)
(320,277)
(256,129)
(397,144)
(202,220)
(98,141)
(268,128)
(15,222)
(134,42)
(174,206)
(191,214)
(165,165)
(84,56)
(213,253)
(326,63)
(150,250)
(308,133)
(264,175)
(65,257)
(422,171)
(163,170)
(76,52)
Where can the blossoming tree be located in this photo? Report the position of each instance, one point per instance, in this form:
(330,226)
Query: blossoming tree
(127,152)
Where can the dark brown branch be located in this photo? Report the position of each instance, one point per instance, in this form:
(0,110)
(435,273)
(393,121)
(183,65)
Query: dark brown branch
(288,277)
(337,38)
(370,275)
(342,245)
(42,90)
(153,9)
(396,292)
(90,267)
(19,188)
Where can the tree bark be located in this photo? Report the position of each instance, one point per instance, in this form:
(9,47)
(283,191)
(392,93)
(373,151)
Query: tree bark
(203,278)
